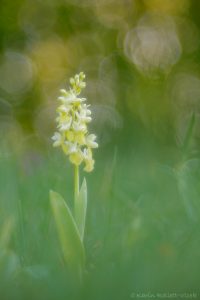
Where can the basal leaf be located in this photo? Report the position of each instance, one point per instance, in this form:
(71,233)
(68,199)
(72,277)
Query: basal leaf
(72,247)
(81,208)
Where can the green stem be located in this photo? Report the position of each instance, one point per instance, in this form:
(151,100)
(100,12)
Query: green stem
(76,184)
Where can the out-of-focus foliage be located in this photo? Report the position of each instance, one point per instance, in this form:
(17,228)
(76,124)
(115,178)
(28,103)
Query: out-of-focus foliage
(142,62)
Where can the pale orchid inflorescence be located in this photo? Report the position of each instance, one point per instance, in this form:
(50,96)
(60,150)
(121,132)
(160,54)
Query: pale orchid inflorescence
(73,117)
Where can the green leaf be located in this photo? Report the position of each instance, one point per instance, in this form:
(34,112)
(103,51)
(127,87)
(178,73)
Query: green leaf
(6,232)
(81,208)
(72,247)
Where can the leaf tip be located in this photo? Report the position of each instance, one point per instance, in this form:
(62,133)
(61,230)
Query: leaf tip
(84,181)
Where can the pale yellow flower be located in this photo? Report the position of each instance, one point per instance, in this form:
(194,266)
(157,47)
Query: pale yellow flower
(72,120)
(58,139)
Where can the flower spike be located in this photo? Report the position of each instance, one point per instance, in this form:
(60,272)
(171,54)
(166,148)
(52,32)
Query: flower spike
(72,120)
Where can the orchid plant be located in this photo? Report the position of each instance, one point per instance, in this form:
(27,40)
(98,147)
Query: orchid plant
(72,136)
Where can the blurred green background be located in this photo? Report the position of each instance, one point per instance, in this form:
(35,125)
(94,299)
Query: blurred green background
(142,62)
